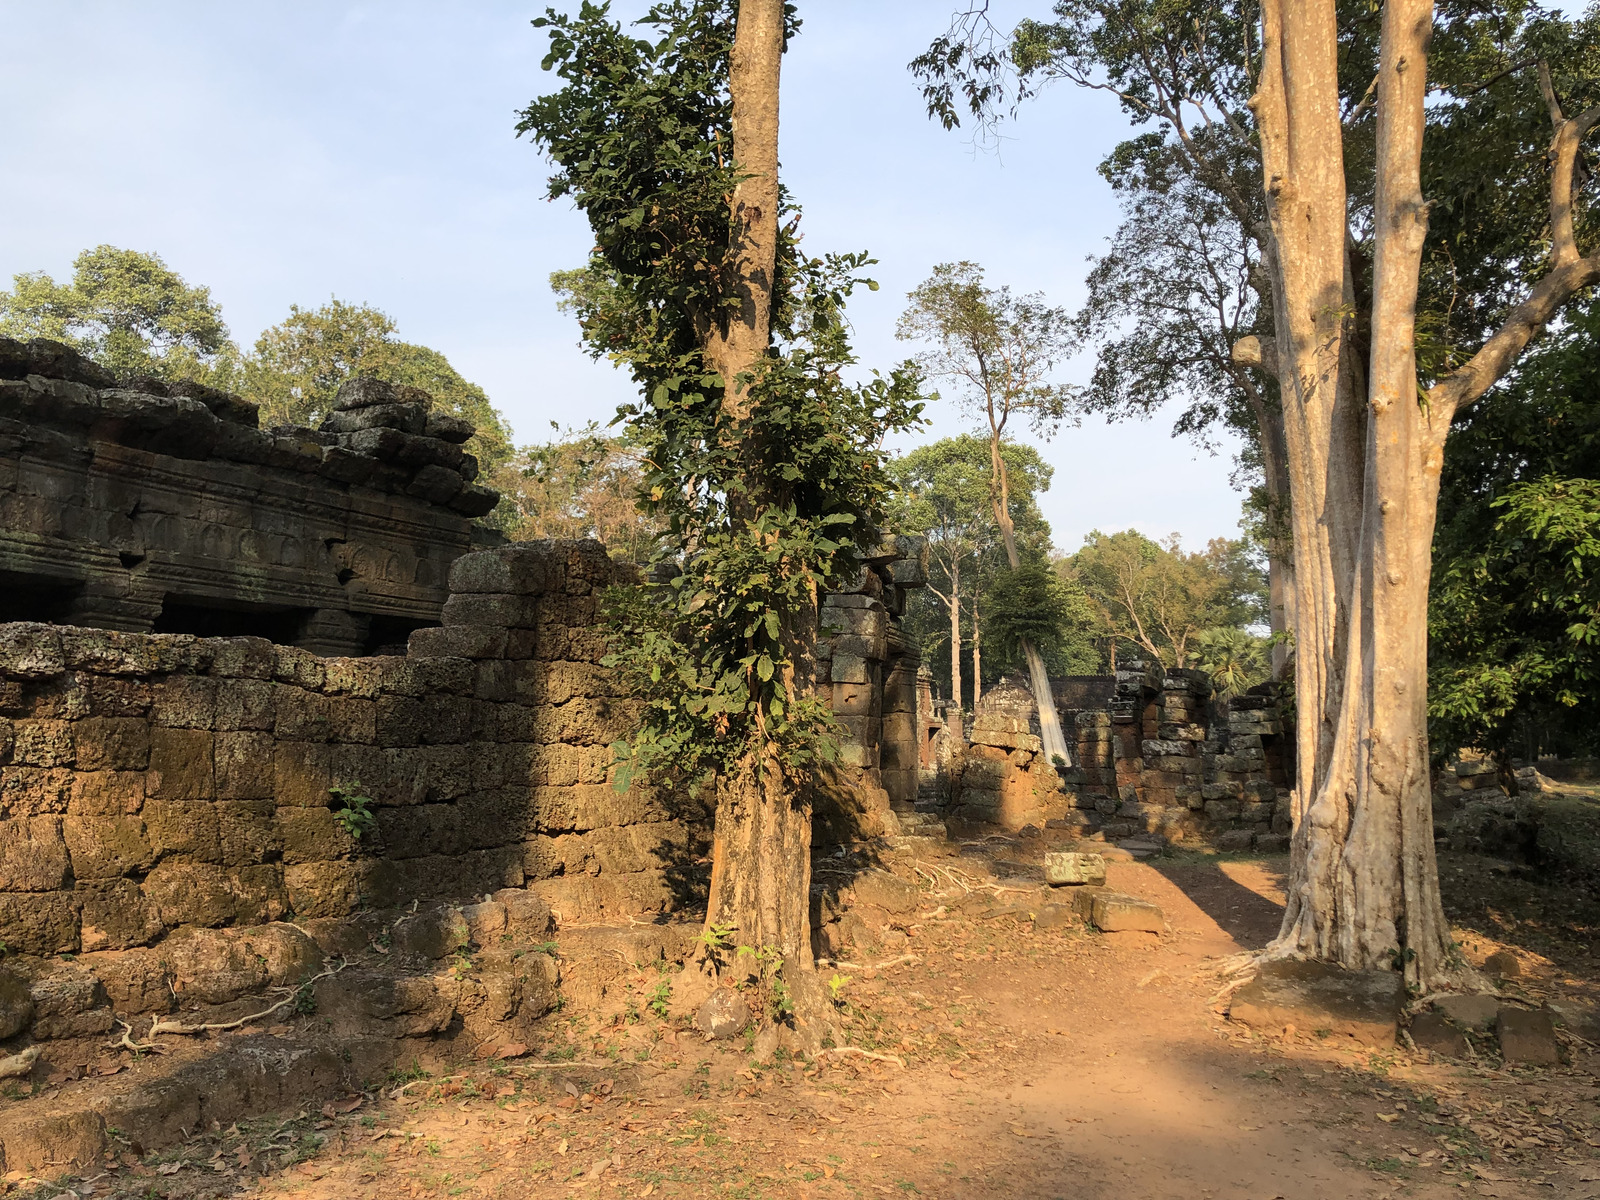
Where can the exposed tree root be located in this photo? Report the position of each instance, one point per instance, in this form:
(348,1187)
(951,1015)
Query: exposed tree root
(158,1026)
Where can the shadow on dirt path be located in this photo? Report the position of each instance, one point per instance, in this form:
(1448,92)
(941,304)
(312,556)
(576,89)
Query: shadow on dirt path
(1003,1060)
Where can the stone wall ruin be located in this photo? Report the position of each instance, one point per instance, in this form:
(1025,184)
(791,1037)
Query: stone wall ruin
(1154,753)
(145,505)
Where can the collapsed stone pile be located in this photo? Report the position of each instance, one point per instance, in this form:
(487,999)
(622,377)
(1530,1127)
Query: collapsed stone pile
(1155,760)
(1003,778)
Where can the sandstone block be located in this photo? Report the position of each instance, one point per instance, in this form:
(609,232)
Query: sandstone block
(181,765)
(849,668)
(112,744)
(458,641)
(243,765)
(52,1140)
(301,775)
(16,1004)
(39,923)
(314,835)
(352,721)
(1430,1031)
(245,704)
(496,610)
(33,855)
(301,715)
(184,893)
(183,827)
(116,915)
(1527,1037)
(1322,1000)
(1114,913)
(323,889)
(247,831)
(30,650)
(1062,867)
(185,702)
(69,1002)
(1582,1017)
(107,847)
(42,743)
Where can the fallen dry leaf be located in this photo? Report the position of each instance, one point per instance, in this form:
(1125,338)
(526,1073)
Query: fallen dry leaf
(513,1050)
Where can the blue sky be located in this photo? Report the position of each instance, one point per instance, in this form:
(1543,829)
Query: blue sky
(286,152)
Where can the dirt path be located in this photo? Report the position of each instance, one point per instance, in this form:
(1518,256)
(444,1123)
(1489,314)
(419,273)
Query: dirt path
(1042,1063)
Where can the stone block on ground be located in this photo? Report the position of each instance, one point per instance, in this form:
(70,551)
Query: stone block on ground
(1113,912)
(1321,999)
(1433,1032)
(1083,899)
(1475,1014)
(1582,1017)
(1055,916)
(1527,1037)
(1062,867)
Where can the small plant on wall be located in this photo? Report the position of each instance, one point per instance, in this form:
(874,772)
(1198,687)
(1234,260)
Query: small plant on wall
(352,808)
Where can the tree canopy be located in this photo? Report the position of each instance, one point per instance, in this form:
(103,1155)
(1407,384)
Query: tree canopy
(128,311)
(299,363)
(581,483)
(1156,600)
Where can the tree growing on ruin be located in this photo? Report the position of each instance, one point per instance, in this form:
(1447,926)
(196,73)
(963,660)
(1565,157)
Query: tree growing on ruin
(1378,341)
(1000,350)
(762,462)
(128,311)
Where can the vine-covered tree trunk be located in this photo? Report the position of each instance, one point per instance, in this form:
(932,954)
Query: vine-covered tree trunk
(761,842)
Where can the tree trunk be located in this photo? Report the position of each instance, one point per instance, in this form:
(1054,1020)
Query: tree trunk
(977,660)
(954,605)
(739,340)
(1280,545)
(1364,887)
(761,843)
(1054,741)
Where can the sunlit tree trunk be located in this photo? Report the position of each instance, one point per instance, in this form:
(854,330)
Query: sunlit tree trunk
(952,603)
(1364,451)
